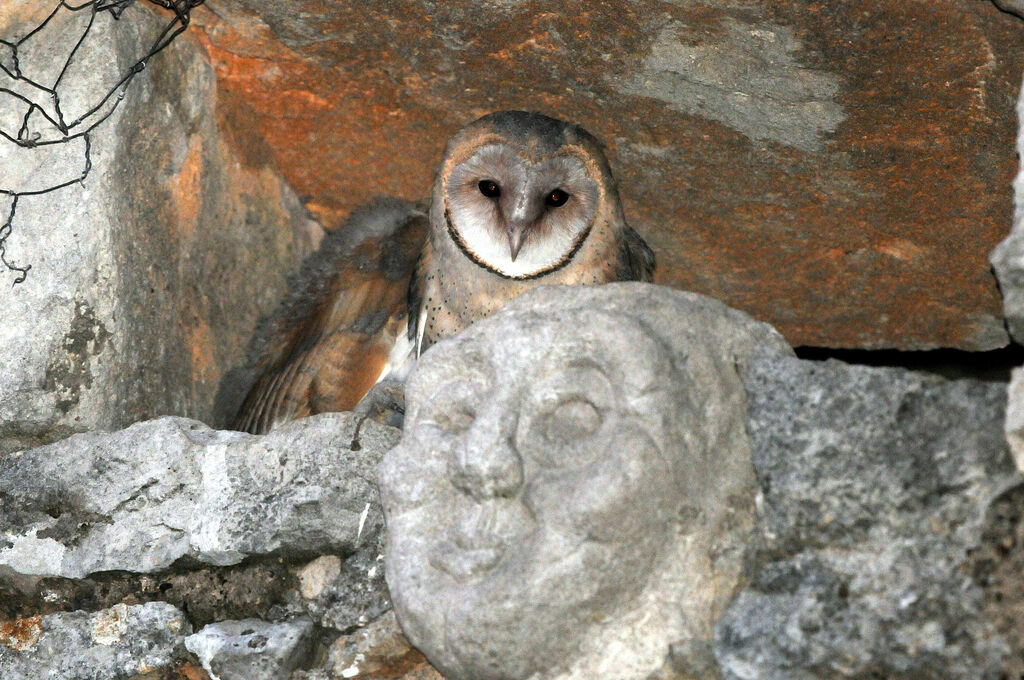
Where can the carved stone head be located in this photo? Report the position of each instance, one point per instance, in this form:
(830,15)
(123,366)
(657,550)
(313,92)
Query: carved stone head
(540,481)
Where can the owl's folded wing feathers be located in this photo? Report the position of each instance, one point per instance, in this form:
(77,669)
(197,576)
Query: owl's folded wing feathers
(636,259)
(331,345)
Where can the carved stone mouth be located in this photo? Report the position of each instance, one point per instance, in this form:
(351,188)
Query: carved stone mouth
(471,546)
(465,562)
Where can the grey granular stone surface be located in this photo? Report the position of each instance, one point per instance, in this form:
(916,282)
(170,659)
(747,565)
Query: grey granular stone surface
(354,593)
(252,649)
(114,644)
(1011,6)
(1008,257)
(877,487)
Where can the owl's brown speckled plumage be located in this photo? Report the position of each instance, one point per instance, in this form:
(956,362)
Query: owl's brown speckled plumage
(520,200)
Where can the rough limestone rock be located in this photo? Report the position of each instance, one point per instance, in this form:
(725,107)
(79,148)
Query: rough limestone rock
(253,589)
(1008,258)
(997,565)
(1015,417)
(838,169)
(573,492)
(877,487)
(346,594)
(1012,6)
(114,644)
(146,278)
(252,649)
(1008,262)
(142,498)
(378,651)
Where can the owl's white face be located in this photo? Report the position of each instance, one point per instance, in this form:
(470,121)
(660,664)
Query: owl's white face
(517,216)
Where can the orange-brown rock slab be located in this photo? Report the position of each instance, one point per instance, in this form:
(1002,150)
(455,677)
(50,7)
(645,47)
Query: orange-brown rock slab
(840,170)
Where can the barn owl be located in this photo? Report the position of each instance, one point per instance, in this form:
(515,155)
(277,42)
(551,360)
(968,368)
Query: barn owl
(520,200)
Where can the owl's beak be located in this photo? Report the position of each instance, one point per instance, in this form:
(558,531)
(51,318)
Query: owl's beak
(516,236)
(520,220)
(518,226)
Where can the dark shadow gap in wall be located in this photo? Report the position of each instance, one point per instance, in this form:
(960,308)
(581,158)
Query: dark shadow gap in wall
(994,365)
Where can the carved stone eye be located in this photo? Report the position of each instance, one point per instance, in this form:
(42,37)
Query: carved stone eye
(556,198)
(563,435)
(489,188)
(455,420)
(572,421)
(565,417)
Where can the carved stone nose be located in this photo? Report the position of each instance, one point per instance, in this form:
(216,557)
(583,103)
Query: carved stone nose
(486,463)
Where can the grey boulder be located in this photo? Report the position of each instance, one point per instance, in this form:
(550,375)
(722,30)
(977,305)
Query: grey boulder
(573,490)
(1008,257)
(148,277)
(252,649)
(876,484)
(1014,427)
(1011,6)
(114,644)
(142,498)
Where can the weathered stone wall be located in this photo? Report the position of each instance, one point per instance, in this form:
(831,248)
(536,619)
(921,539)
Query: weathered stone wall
(887,536)
(841,170)
(878,528)
(224,526)
(148,277)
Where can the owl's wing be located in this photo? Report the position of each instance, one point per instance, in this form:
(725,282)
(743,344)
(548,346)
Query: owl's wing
(636,259)
(333,343)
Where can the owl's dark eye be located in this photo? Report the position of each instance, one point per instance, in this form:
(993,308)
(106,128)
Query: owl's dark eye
(556,198)
(489,188)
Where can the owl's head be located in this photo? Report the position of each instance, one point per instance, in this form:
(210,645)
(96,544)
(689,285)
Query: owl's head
(520,192)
